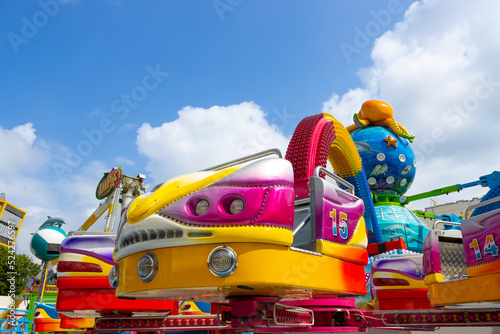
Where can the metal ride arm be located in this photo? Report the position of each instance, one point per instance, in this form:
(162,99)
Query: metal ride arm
(478,205)
(490,181)
(425,214)
(128,189)
(98,213)
(432,193)
(448,218)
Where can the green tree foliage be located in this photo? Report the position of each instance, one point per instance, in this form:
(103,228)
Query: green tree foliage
(17,266)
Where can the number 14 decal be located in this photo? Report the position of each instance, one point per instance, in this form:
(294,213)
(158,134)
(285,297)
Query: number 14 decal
(342,222)
(489,247)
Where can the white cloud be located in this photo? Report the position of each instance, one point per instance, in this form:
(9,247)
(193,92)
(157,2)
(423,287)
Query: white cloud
(31,185)
(128,126)
(200,138)
(20,150)
(438,70)
(71,198)
(124,161)
(343,107)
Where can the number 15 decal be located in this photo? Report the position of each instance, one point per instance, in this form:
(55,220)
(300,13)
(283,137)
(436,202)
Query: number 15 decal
(342,224)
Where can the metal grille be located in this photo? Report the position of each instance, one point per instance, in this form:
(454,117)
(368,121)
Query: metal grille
(452,259)
(9,216)
(221,261)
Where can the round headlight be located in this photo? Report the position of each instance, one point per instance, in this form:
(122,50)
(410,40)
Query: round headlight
(113,276)
(147,267)
(202,207)
(236,206)
(222,261)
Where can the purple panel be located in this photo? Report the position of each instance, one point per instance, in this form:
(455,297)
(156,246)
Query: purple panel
(100,247)
(477,224)
(329,199)
(410,266)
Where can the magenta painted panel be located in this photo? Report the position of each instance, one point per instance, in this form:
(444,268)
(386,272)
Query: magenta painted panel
(265,186)
(267,205)
(481,238)
(337,212)
(431,259)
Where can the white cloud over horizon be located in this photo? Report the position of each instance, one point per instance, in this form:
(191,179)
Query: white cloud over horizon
(21,151)
(438,70)
(201,138)
(29,183)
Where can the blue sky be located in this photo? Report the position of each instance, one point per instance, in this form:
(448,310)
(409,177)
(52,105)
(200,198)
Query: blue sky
(164,88)
(273,53)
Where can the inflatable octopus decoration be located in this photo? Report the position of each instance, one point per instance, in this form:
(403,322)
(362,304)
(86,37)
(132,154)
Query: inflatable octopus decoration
(375,112)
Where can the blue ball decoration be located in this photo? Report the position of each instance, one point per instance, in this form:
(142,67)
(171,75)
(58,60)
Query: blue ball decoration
(388,160)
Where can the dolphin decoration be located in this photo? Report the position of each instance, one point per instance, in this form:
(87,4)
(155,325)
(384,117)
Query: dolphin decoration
(363,146)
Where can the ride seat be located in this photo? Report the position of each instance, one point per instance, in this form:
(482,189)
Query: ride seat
(443,255)
(336,226)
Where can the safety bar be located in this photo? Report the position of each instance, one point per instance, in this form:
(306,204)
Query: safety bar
(337,178)
(302,209)
(106,234)
(303,205)
(246,159)
(301,225)
(461,274)
(472,207)
(436,223)
(302,201)
(395,255)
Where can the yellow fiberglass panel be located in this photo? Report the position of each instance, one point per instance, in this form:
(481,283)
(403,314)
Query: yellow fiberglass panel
(484,269)
(261,234)
(433,278)
(343,154)
(471,290)
(354,251)
(262,269)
